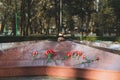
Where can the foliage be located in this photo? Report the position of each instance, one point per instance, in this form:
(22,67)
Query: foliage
(90,38)
(42,17)
(116,6)
(118,39)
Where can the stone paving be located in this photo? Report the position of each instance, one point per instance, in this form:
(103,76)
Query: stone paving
(102,47)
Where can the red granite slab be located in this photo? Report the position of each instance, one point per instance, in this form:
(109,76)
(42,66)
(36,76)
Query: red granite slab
(18,58)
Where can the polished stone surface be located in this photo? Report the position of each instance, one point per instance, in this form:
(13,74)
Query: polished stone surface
(22,56)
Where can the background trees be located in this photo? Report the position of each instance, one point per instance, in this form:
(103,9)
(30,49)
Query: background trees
(42,17)
(116,9)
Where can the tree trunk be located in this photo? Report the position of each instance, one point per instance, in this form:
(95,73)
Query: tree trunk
(57,17)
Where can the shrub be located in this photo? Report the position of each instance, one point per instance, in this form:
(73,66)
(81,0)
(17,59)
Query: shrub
(90,38)
(118,39)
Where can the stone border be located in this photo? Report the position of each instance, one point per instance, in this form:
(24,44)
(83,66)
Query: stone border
(66,72)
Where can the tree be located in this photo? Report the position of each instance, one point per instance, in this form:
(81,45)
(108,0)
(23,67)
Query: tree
(106,18)
(116,7)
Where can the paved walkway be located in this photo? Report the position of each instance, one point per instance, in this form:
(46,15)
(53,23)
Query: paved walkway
(101,48)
